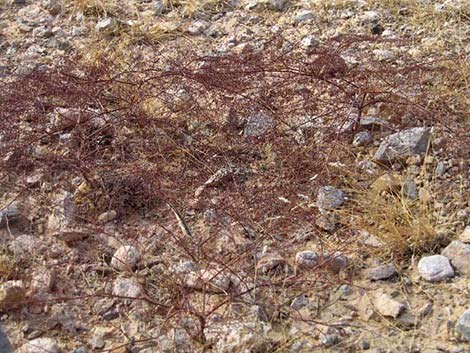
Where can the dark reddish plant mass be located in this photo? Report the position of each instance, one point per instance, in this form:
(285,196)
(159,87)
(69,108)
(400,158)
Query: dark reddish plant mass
(158,130)
(250,134)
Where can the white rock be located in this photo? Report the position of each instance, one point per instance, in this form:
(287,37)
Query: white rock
(38,345)
(387,306)
(459,255)
(303,15)
(127,287)
(126,257)
(435,268)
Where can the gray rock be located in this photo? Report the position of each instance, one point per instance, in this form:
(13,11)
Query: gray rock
(306,259)
(258,125)
(403,144)
(440,169)
(369,121)
(462,328)
(126,258)
(410,189)
(299,302)
(198,27)
(42,344)
(9,214)
(435,268)
(309,42)
(127,288)
(459,255)
(303,15)
(362,138)
(5,346)
(336,261)
(80,350)
(382,272)
(329,197)
(329,340)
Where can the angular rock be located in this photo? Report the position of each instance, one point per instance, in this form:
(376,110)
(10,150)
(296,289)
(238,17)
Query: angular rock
(327,222)
(387,306)
(435,268)
(9,214)
(459,255)
(410,189)
(299,302)
(269,261)
(362,138)
(12,294)
(336,261)
(42,280)
(329,197)
(107,217)
(462,328)
(369,121)
(43,344)
(465,236)
(126,257)
(303,15)
(106,26)
(127,288)
(5,345)
(306,259)
(403,144)
(258,125)
(382,272)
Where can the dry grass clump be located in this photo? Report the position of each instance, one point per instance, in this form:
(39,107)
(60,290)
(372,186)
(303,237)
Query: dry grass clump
(191,8)
(94,8)
(404,227)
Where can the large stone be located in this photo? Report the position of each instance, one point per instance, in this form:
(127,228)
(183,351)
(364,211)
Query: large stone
(127,288)
(126,258)
(435,268)
(38,345)
(306,259)
(459,255)
(382,272)
(462,328)
(329,197)
(9,214)
(12,294)
(403,144)
(5,346)
(270,261)
(387,306)
(258,125)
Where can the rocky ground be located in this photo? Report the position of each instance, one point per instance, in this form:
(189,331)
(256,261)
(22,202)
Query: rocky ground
(336,219)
